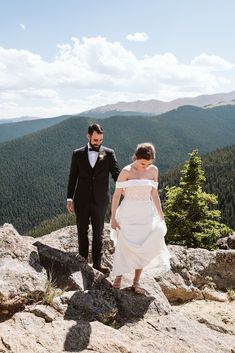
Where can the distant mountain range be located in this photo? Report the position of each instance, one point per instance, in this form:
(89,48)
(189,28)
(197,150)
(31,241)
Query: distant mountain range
(15,120)
(34,168)
(13,130)
(156,107)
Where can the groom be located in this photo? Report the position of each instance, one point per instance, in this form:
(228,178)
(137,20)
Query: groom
(88,191)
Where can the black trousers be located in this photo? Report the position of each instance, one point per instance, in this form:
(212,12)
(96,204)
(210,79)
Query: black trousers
(94,214)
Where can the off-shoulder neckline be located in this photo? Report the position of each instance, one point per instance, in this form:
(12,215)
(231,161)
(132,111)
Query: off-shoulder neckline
(138,179)
(136,182)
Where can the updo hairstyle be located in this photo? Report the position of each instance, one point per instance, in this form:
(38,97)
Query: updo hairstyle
(144,150)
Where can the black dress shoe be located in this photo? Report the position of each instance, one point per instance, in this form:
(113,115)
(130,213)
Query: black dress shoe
(103,270)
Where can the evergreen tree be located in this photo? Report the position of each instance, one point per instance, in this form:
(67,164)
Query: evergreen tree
(189,213)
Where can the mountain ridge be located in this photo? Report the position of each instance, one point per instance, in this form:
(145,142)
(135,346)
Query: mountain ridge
(154,106)
(150,106)
(12,130)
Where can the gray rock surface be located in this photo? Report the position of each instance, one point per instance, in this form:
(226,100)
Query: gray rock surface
(227,242)
(189,309)
(193,271)
(20,269)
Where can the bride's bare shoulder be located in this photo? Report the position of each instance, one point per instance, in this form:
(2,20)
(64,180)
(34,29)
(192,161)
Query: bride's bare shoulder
(154,168)
(127,168)
(154,171)
(124,173)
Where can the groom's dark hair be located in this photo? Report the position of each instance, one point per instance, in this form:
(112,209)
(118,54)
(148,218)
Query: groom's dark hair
(95,128)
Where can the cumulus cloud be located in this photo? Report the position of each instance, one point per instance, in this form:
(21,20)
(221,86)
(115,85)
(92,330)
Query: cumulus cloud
(137,37)
(211,62)
(22,26)
(88,72)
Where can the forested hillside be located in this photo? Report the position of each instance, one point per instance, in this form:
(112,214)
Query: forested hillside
(219,168)
(34,169)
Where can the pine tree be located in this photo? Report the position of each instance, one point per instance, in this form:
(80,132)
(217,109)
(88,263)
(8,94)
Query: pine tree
(190,215)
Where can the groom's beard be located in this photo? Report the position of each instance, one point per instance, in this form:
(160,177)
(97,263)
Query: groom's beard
(95,147)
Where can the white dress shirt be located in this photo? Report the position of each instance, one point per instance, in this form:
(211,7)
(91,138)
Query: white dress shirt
(92,156)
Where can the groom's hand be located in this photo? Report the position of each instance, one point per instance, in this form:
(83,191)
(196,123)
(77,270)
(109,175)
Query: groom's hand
(70,207)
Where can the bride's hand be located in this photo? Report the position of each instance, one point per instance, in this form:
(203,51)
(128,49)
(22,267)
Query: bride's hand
(114,224)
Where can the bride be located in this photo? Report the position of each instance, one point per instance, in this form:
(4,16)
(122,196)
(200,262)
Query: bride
(138,226)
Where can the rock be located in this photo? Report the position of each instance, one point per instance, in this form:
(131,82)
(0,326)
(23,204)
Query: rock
(13,245)
(29,333)
(20,268)
(18,277)
(231,241)
(61,268)
(46,312)
(175,333)
(221,269)
(92,305)
(215,315)
(133,306)
(65,239)
(193,269)
(92,316)
(227,242)
(222,243)
(61,302)
(97,300)
(78,279)
(212,294)
(177,290)
(9,306)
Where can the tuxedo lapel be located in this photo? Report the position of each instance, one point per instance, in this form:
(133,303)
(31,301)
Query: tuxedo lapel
(101,156)
(87,159)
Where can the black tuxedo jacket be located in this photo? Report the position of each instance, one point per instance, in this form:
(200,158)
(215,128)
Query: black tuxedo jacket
(87,183)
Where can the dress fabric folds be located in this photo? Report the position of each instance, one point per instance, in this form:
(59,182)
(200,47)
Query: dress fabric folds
(140,242)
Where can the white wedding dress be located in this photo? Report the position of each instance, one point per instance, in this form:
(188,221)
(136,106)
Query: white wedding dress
(139,243)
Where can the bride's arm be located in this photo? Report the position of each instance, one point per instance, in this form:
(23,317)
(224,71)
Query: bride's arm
(123,176)
(155,196)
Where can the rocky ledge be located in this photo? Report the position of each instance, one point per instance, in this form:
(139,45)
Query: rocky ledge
(52,301)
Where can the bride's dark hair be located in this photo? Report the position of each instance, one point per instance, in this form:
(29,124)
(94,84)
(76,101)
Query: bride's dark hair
(144,150)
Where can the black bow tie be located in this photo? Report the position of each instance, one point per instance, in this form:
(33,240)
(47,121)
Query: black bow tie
(92,149)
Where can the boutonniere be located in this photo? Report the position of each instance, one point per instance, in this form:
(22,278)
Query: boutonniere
(102,154)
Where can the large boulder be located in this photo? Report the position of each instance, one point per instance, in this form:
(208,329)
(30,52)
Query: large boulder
(227,242)
(43,331)
(20,268)
(30,333)
(195,271)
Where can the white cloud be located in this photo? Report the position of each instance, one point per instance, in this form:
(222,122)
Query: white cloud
(89,72)
(22,26)
(211,62)
(137,37)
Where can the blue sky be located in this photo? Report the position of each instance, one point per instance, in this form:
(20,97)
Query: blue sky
(67,56)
